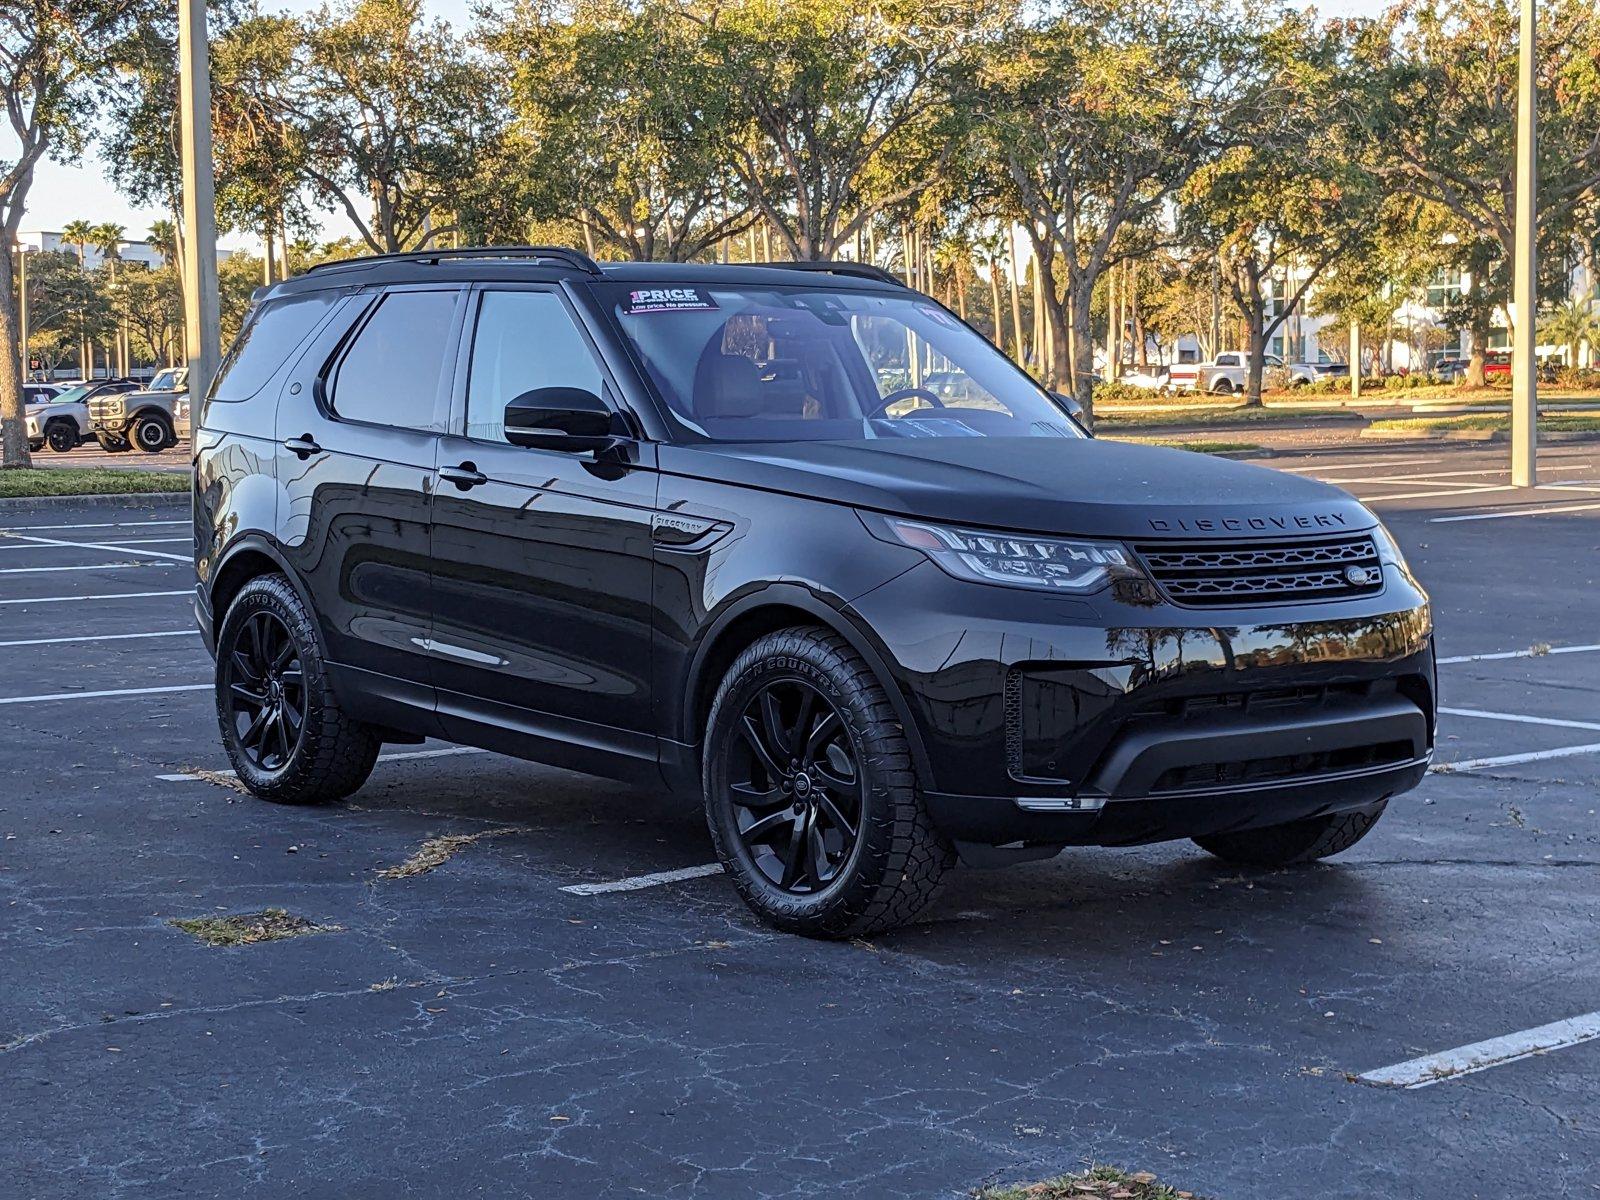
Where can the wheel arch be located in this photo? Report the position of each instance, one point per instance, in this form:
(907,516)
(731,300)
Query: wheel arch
(249,558)
(774,607)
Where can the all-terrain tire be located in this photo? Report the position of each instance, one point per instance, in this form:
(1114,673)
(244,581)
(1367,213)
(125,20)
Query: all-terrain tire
(899,854)
(61,436)
(334,753)
(113,445)
(1296,842)
(152,434)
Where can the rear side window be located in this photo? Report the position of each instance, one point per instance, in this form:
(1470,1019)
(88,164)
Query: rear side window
(266,342)
(390,375)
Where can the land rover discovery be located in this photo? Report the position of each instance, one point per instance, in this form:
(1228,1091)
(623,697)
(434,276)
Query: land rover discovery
(793,540)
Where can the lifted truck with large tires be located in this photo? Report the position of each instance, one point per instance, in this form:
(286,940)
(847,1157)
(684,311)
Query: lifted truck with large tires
(149,419)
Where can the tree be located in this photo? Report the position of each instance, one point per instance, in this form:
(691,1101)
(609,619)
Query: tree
(1438,115)
(80,233)
(1094,118)
(846,109)
(163,237)
(1292,197)
(390,108)
(617,127)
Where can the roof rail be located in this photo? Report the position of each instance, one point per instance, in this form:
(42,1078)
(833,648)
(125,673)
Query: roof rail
(837,266)
(563,256)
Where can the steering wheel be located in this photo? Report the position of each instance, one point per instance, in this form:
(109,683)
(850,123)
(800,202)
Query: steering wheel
(900,394)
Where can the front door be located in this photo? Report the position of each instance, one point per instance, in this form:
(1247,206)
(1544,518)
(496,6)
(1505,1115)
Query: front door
(541,635)
(357,430)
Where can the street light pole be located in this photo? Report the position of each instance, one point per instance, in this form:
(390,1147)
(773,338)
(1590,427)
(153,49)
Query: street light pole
(200,300)
(22,265)
(1524,365)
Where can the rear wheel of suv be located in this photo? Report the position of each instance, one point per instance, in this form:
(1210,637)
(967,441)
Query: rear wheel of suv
(152,433)
(1296,842)
(281,724)
(811,794)
(61,436)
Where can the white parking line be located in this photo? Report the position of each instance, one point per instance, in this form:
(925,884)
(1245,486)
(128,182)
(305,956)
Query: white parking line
(1511,760)
(116,566)
(124,546)
(1480,1056)
(149,691)
(1515,512)
(448,751)
(1475,490)
(102,637)
(1520,719)
(636,883)
(1504,654)
(103,596)
(101,525)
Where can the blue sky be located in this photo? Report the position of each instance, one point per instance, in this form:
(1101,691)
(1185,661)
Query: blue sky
(64,193)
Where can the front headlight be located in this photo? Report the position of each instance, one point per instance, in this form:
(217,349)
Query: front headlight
(1047,564)
(180,411)
(33,427)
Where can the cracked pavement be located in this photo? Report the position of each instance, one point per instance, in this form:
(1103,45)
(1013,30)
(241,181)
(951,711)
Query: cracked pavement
(475,1031)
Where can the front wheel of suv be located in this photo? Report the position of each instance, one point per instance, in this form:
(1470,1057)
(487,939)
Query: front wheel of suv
(281,724)
(811,794)
(61,436)
(1296,842)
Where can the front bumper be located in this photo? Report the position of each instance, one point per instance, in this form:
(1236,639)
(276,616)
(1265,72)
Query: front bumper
(1046,720)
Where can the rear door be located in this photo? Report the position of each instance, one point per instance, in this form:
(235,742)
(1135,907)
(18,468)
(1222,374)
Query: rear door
(542,558)
(356,444)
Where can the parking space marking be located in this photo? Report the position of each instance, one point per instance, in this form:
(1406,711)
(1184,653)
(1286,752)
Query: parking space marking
(1504,654)
(1515,512)
(1511,760)
(101,637)
(1475,490)
(115,566)
(446,752)
(636,883)
(1480,1056)
(97,525)
(146,691)
(103,596)
(1520,718)
(42,544)
(123,546)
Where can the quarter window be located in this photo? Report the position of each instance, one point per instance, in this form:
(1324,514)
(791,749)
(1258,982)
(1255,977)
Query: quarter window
(267,340)
(390,375)
(523,341)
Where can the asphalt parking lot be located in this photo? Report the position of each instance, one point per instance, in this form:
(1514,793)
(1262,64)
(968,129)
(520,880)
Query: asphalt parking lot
(482,1029)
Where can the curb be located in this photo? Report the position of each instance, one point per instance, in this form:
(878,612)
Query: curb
(160,499)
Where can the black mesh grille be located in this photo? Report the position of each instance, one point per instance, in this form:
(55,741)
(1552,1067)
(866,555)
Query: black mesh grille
(1233,573)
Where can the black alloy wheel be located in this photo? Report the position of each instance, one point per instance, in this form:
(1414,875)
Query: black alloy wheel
(61,436)
(266,692)
(796,788)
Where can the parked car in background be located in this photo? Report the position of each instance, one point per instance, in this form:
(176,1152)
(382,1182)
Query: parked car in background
(1497,366)
(142,418)
(1224,375)
(1302,373)
(63,422)
(1151,379)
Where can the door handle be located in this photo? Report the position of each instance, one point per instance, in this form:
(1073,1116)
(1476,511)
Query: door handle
(305,446)
(465,476)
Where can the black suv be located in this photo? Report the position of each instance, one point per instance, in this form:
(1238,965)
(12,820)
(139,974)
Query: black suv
(709,527)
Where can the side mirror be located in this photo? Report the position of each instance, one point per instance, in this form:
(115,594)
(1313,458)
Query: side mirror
(559,418)
(1070,403)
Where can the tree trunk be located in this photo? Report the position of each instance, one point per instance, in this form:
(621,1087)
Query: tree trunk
(1480,344)
(13,427)
(1257,348)
(1016,301)
(1355,359)
(994,305)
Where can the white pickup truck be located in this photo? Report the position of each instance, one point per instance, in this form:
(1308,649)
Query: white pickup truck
(1229,373)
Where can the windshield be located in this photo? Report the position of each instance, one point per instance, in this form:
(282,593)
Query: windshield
(783,364)
(165,381)
(71,394)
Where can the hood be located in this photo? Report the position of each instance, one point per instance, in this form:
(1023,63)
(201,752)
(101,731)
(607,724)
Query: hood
(1042,485)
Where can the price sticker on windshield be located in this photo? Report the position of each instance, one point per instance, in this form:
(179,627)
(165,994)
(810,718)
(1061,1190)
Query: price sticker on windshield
(668,299)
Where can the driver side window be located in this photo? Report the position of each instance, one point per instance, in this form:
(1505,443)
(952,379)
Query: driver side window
(522,341)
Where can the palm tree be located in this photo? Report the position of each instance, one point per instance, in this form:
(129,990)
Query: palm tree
(107,239)
(164,241)
(1570,325)
(80,233)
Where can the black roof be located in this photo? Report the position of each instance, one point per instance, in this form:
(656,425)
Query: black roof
(549,263)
